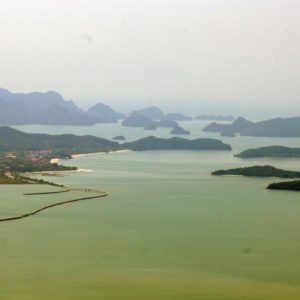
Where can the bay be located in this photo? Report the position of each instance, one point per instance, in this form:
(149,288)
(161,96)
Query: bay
(167,230)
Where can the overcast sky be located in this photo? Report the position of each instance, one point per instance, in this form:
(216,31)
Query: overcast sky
(185,52)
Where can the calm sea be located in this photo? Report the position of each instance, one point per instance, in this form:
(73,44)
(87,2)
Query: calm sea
(168,230)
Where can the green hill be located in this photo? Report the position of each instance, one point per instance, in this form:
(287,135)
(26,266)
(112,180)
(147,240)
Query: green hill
(287,185)
(271,151)
(153,143)
(259,171)
(67,144)
(15,140)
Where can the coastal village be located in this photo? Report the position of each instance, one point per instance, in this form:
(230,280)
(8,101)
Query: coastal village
(30,161)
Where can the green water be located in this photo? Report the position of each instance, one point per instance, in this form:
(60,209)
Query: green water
(168,230)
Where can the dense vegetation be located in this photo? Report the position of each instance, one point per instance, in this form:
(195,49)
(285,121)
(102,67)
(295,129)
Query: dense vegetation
(259,171)
(287,185)
(153,143)
(271,151)
(16,178)
(15,140)
(24,152)
(119,138)
(23,165)
(4,179)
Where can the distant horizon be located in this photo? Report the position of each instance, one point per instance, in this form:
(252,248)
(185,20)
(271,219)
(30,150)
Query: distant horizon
(251,111)
(229,57)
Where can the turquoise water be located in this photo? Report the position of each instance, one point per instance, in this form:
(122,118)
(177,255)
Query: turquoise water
(168,230)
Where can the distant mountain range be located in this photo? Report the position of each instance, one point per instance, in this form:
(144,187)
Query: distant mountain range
(156,114)
(50,108)
(279,127)
(150,118)
(136,119)
(102,113)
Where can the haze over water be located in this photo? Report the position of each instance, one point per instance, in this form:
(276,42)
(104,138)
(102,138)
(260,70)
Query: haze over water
(208,56)
(168,230)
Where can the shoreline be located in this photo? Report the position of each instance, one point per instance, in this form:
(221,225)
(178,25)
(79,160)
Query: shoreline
(56,160)
(78,155)
(265,177)
(60,173)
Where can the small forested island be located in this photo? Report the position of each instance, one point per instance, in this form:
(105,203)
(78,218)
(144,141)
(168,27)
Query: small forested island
(176,143)
(119,138)
(270,151)
(259,171)
(179,130)
(285,185)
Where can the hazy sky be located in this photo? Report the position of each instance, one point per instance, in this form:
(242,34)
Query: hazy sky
(186,52)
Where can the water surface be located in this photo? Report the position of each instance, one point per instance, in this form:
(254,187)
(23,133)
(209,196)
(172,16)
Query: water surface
(168,230)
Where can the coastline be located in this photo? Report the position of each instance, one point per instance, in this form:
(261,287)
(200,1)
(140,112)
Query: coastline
(78,155)
(58,173)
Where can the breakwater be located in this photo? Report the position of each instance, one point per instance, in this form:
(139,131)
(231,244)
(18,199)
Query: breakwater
(99,194)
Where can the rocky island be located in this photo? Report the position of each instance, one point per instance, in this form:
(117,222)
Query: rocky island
(278,127)
(178,130)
